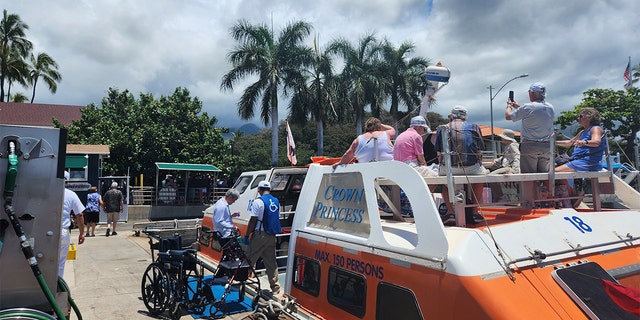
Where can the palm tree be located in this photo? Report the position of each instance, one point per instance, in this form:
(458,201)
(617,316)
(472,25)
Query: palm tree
(12,37)
(316,95)
(360,78)
(277,64)
(19,97)
(46,68)
(635,71)
(403,76)
(17,71)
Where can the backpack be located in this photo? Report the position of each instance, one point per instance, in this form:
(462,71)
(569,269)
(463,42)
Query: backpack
(271,216)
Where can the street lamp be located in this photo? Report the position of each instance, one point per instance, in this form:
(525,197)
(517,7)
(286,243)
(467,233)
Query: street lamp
(492,96)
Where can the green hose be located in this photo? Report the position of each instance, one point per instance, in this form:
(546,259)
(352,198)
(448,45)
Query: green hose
(27,250)
(65,288)
(22,313)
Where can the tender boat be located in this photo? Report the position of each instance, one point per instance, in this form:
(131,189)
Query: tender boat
(348,259)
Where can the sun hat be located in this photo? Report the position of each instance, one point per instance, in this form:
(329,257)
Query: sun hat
(264,184)
(508,134)
(419,121)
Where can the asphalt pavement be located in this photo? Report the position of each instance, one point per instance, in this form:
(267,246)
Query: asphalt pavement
(105,278)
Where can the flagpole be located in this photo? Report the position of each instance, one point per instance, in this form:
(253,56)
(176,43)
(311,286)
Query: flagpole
(630,73)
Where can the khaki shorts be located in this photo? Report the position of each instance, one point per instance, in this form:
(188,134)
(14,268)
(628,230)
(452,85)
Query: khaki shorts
(113,216)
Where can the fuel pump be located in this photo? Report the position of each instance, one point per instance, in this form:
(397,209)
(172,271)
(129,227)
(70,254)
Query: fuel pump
(31,177)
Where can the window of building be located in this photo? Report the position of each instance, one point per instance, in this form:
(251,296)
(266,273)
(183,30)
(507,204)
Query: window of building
(347,291)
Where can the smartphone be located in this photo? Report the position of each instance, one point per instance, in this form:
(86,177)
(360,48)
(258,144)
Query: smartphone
(510,95)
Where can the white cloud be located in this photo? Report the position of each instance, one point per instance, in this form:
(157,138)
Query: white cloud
(156,46)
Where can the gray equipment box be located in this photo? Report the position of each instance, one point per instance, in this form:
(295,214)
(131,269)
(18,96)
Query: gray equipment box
(37,202)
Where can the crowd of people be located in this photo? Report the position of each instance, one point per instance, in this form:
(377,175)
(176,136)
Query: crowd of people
(423,149)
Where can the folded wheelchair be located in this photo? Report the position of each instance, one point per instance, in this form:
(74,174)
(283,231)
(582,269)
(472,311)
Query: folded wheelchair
(179,282)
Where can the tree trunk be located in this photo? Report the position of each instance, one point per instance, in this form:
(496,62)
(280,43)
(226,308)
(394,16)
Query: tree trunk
(274,130)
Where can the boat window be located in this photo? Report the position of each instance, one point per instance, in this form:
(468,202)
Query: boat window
(242,183)
(257,180)
(347,291)
(279,181)
(394,302)
(590,287)
(306,275)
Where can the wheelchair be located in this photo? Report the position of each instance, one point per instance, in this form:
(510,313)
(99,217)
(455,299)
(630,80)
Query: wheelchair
(176,282)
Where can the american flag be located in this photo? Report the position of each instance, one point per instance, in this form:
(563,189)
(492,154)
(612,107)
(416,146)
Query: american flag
(627,75)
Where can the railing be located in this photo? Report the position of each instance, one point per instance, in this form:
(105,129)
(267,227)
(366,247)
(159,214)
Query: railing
(142,195)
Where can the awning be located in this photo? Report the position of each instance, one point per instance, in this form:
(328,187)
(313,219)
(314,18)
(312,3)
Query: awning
(75,162)
(186,167)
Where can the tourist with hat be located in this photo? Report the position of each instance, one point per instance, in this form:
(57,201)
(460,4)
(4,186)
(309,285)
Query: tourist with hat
(466,145)
(537,127)
(408,147)
(262,229)
(509,162)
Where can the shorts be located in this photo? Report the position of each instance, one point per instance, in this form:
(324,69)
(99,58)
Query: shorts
(113,216)
(91,217)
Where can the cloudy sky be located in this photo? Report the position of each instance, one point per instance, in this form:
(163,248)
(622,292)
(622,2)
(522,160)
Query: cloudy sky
(154,46)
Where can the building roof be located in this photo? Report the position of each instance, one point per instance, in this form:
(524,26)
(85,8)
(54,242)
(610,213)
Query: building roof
(38,114)
(486,131)
(100,149)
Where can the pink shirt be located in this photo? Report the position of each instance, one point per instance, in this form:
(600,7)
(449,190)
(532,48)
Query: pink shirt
(408,146)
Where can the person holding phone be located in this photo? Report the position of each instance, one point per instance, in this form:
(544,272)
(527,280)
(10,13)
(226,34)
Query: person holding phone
(537,127)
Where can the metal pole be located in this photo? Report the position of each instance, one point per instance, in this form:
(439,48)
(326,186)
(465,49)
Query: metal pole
(493,143)
(493,96)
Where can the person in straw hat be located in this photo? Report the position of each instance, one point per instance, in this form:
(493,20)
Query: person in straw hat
(510,160)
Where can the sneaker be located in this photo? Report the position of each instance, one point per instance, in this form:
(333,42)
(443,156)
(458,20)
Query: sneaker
(87,234)
(114,233)
(448,219)
(108,232)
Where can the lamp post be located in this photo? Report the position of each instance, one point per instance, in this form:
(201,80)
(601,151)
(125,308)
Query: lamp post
(491,97)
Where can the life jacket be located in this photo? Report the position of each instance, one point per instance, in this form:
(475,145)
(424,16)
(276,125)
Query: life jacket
(271,215)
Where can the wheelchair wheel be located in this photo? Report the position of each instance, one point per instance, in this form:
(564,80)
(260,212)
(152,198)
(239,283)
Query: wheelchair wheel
(156,289)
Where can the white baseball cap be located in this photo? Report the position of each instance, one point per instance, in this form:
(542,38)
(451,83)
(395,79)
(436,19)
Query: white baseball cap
(264,184)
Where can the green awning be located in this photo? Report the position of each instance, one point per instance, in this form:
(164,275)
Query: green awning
(186,167)
(75,162)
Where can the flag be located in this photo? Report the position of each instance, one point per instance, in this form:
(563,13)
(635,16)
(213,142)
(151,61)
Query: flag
(627,74)
(626,298)
(291,147)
